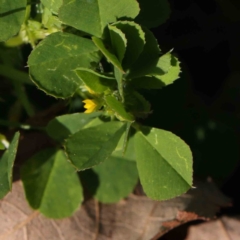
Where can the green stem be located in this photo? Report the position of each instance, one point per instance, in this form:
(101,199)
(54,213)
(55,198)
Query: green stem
(136,126)
(14,74)
(22,96)
(128,126)
(32,2)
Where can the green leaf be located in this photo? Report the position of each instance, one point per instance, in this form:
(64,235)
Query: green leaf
(63,126)
(118,109)
(52,5)
(119,77)
(126,136)
(97,82)
(92,16)
(6,166)
(147,82)
(163,65)
(148,57)
(129,152)
(118,42)
(136,104)
(110,56)
(50,20)
(153,12)
(116,179)
(172,74)
(140,107)
(53,73)
(159,81)
(151,66)
(157,67)
(96,121)
(91,146)
(164,163)
(135,41)
(12,14)
(118,46)
(51,184)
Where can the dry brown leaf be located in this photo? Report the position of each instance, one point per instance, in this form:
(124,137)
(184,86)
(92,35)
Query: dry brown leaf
(224,228)
(135,218)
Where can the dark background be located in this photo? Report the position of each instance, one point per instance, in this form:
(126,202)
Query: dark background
(203,106)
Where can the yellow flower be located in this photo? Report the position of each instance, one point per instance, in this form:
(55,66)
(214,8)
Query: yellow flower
(90,105)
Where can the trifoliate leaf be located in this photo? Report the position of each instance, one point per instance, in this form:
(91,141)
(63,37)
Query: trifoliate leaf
(137,105)
(153,12)
(50,21)
(163,65)
(164,163)
(94,81)
(157,66)
(52,5)
(91,146)
(116,177)
(94,15)
(159,81)
(147,82)
(118,42)
(53,73)
(118,45)
(173,72)
(135,41)
(6,166)
(148,58)
(110,56)
(61,127)
(51,184)
(118,108)
(12,15)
